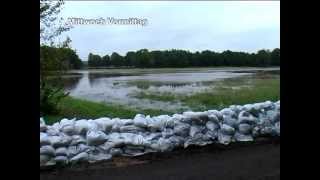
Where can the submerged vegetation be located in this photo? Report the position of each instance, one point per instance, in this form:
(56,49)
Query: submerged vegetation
(224,93)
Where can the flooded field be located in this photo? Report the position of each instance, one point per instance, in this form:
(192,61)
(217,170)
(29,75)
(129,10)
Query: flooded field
(165,89)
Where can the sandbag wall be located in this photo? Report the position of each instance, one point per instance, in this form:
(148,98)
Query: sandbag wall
(72,141)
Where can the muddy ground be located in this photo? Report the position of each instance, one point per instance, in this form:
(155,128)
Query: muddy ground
(240,161)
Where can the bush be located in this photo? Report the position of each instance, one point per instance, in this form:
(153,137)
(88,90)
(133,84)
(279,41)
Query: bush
(49,99)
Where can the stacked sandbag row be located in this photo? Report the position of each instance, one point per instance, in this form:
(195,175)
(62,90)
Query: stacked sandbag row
(71,141)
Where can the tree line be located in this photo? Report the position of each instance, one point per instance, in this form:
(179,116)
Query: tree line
(181,58)
(58,58)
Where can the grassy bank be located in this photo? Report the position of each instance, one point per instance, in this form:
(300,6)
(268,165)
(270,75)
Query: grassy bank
(77,108)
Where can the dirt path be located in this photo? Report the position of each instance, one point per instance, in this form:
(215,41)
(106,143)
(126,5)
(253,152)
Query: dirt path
(246,161)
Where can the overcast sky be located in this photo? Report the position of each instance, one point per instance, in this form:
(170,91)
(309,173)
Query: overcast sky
(195,26)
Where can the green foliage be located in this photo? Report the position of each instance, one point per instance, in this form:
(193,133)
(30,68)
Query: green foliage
(50,25)
(77,108)
(179,58)
(58,59)
(54,60)
(50,98)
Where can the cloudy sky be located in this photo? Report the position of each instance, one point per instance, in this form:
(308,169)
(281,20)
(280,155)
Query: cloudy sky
(195,26)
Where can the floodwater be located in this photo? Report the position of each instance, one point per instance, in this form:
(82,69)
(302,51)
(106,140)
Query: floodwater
(119,86)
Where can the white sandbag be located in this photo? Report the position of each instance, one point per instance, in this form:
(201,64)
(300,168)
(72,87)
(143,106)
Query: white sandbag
(74,150)
(217,113)
(227,130)
(92,125)
(51,162)
(274,116)
(210,125)
(81,157)
(198,139)
(133,152)
(153,136)
(159,123)
(181,129)
(243,137)
(267,130)
(52,131)
(95,138)
(118,123)
(125,122)
(230,121)
(224,139)
(82,148)
(103,124)
(60,141)
(67,126)
(98,157)
(257,107)
(108,125)
(61,151)
(44,159)
(47,150)
(245,128)
(277,128)
(133,139)
(116,138)
(248,107)
(116,151)
(44,139)
(195,130)
(235,108)
(65,141)
(107,146)
(100,139)
(140,121)
(247,118)
(81,127)
(228,112)
(177,141)
(213,118)
(196,118)
(167,132)
(212,135)
(177,117)
(42,121)
(131,129)
(43,127)
(162,145)
(267,105)
(78,139)
(61,159)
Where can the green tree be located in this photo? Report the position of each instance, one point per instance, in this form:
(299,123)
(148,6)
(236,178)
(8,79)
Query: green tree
(275,57)
(52,60)
(116,59)
(263,57)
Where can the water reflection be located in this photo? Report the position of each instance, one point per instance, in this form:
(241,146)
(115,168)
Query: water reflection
(120,87)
